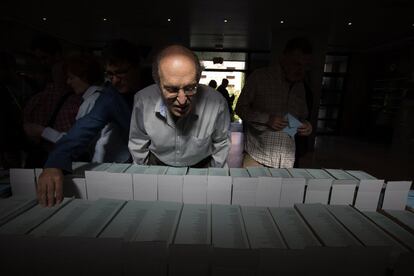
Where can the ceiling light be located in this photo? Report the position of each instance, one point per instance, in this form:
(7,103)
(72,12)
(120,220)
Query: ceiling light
(282,21)
(104,19)
(349,23)
(44,18)
(169,19)
(225,21)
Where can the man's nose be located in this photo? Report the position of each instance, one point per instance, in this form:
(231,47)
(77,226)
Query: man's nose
(115,80)
(181,97)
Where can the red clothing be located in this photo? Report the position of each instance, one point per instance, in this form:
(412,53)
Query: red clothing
(41,106)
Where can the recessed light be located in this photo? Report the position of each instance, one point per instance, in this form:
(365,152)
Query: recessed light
(349,23)
(169,19)
(44,18)
(225,21)
(105,19)
(282,21)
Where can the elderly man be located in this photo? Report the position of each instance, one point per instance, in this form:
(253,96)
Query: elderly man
(113,107)
(177,121)
(269,95)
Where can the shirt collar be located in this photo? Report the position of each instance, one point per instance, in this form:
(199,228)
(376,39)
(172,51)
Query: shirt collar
(91,90)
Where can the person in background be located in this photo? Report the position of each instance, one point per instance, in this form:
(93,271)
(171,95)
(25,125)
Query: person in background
(268,96)
(177,121)
(229,99)
(114,105)
(56,106)
(85,77)
(212,84)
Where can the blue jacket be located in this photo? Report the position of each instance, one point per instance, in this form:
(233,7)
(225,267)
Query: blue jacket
(110,107)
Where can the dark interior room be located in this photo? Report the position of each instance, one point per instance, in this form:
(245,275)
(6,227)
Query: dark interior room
(358,93)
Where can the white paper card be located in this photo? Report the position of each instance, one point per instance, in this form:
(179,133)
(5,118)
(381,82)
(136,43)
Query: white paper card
(268,191)
(170,188)
(396,193)
(22,182)
(219,189)
(368,194)
(292,191)
(318,191)
(244,191)
(195,189)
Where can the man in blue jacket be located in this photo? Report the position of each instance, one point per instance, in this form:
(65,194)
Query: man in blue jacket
(114,105)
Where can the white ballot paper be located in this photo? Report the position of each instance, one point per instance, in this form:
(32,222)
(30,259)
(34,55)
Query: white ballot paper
(195,186)
(293,229)
(218,186)
(261,230)
(194,227)
(22,182)
(170,185)
(30,219)
(396,193)
(368,194)
(54,226)
(325,226)
(292,192)
(91,222)
(126,223)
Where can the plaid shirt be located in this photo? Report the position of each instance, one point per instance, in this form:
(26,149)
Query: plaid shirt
(268,93)
(40,107)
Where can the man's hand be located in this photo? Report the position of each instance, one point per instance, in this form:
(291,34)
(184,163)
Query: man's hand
(277,123)
(305,129)
(50,187)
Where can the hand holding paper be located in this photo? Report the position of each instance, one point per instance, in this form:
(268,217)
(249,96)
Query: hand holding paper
(277,123)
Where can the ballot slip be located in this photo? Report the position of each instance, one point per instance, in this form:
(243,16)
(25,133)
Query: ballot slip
(300,173)
(318,188)
(113,183)
(194,227)
(293,228)
(268,191)
(195,186)
(63,218)
(228,227)
(95,179)
(91,222)
(395,195)
(282,173)
(170,185)
(145,181)
(160,223)
(402,217)
(261,229)
(292,191)
(219,186)
(368,194)
(362,228)
(13,206)
(23,182)
(258,171)
(244,187)
(126,223)
(343,187)
(30,219)
(328,230)
(392,228)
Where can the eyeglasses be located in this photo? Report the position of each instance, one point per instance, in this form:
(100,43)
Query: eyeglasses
(117,73)
(189,90)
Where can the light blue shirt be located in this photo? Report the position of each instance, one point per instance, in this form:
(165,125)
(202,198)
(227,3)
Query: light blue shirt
(202,133)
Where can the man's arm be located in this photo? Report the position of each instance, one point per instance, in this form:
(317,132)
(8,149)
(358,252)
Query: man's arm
(110,107)
(246,98)
(221,137)
(139,140)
